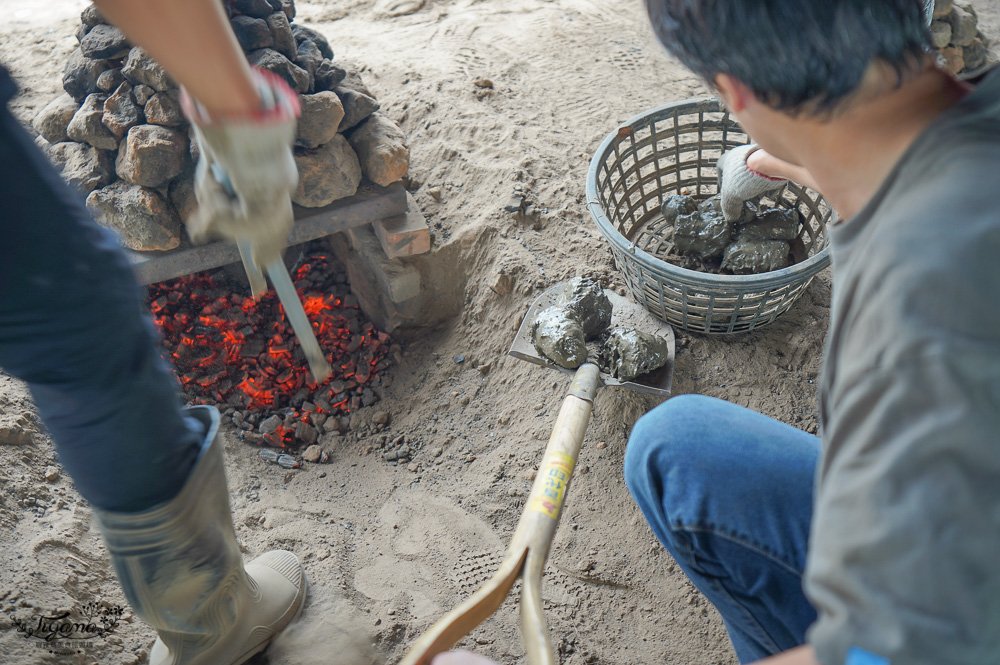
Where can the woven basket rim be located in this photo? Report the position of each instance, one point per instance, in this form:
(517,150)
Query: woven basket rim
(803,269)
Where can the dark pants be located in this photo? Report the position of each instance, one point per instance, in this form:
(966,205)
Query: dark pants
(729,493)
(72,326)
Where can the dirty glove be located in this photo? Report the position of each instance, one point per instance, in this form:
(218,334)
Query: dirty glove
(246,172)
(738,183)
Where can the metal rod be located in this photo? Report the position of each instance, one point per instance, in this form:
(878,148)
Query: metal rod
(289,298)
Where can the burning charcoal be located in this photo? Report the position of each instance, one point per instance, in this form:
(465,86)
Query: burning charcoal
(559,337)
(584,298)
(702,234)
(270,425)
(745,257)
(288,462)
(628,354)
(306,433)
(269,455)
(772,224)
(677,204)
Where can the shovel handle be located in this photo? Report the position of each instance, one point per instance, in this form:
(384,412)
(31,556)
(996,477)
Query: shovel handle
(538,523)
(531,542)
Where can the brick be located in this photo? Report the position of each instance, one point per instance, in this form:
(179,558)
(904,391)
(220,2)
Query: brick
(406,234)
(397,280)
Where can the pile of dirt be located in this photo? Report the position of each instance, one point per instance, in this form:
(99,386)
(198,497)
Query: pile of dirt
(499,99)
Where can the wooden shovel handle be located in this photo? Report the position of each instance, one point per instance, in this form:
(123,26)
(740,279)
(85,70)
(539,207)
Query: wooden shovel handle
(538,523)
(531,542)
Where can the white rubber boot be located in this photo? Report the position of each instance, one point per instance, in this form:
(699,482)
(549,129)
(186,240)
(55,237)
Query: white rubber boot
(182,572)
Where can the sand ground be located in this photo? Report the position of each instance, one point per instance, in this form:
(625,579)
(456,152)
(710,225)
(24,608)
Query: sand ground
(388,549)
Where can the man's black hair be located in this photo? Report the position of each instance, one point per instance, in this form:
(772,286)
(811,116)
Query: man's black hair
(795,55)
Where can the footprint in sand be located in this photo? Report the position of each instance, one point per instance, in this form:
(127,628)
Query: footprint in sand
(434,552)
(394,8)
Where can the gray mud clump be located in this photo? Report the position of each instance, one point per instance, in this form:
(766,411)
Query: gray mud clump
(771,224)
(558,336)
(746,257)
(677,204)
(630,353)
(761,240)
(586,301)
(703,234)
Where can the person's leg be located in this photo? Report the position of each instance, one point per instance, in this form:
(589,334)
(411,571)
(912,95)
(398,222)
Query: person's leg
(71,325)
(729,492)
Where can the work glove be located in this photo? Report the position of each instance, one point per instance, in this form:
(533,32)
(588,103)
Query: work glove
(246,172)
(738,183)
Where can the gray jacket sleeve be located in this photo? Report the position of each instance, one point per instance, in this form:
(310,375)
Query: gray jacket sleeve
(905,548)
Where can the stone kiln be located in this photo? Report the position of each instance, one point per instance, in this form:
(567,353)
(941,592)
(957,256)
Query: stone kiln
(119,137)
(962,48)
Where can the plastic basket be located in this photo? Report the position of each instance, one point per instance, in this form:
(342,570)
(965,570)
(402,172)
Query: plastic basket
(671,150)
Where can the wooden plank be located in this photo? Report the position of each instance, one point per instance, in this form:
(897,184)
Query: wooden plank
(406,234)
(370,204)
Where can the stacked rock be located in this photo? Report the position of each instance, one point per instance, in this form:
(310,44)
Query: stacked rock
(961,47)
(119,137)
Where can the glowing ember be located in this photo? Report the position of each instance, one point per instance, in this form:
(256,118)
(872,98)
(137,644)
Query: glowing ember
(233,352)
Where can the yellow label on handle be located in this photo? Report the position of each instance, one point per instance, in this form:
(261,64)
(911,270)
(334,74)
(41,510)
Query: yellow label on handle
(555,472)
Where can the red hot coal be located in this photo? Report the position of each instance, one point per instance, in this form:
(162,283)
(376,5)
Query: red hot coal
(242,355)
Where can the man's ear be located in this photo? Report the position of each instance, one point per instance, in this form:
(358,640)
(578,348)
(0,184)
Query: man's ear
(735,94)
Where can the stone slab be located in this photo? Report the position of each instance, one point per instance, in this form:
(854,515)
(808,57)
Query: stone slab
(370,204)
(406,234)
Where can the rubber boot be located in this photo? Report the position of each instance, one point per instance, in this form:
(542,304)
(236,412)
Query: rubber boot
(182,572)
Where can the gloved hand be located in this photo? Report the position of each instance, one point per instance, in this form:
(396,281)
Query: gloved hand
(246,172)
(738,183)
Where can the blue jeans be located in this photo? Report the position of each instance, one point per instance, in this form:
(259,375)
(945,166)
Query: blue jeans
(729,493)
(72,325)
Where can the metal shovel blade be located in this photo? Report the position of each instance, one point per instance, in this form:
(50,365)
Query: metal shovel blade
(625,314)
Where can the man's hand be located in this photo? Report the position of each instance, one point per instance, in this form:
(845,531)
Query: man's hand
(246,172)
(739,183)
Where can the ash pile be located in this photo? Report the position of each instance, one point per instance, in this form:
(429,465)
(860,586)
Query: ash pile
(119,137)
(961,47)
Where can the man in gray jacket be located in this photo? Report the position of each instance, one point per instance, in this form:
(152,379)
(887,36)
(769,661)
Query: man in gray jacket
(876,543)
